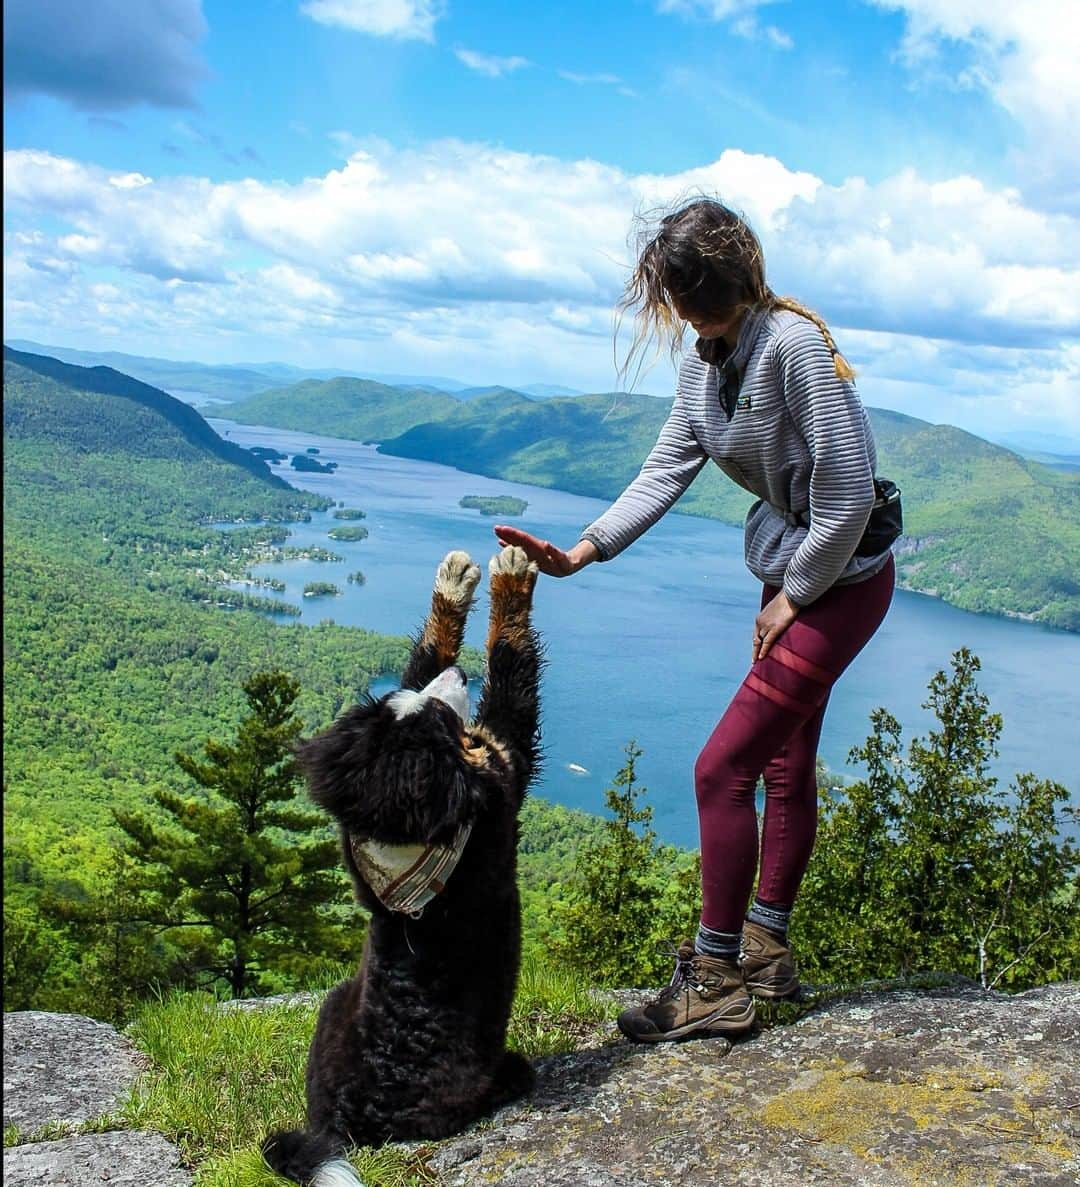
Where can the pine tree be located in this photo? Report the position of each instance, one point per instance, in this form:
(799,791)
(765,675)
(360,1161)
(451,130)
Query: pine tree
(250,875)
(925,864)
(609,918)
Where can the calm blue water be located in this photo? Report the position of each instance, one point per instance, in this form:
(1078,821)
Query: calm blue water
(652,646)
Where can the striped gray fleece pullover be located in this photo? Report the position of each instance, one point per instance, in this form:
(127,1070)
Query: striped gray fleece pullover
(797,437)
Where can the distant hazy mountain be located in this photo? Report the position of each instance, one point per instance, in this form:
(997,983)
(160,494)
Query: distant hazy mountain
(237,381)
(222,381)
(1050,448)
(535,391)
(474,393)
(291,374)
(544,391)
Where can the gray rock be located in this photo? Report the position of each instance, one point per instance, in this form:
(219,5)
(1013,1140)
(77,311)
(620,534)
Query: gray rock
(127,1158)
(63,1067)
(279,999)
(952,1087)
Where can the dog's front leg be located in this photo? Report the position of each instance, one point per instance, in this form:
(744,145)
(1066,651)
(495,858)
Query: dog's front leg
(510,702)
(439,642)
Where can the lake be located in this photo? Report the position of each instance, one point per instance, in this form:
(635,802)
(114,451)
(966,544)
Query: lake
(652,646)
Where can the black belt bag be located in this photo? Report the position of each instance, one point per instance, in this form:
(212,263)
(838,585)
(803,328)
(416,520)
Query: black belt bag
(886,519)
(885,524)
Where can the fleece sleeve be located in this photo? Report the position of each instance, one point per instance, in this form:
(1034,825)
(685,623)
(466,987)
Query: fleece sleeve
(673,463)
(829,416)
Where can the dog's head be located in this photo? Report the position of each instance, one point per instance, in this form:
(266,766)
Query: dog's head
(397,769)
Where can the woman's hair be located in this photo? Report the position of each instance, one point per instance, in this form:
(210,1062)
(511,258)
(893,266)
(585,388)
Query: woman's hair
(704,256)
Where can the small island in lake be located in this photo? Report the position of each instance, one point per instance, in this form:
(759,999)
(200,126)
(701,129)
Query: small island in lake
(349,513)
(348,533)
(302,462)
(494,504)
(321,589)
(356,578)
(265,454)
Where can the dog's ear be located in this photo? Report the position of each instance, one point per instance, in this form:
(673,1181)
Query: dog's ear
(335,761)
(446,796)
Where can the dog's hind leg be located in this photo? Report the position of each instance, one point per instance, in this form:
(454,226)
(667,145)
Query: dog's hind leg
(438,644)
(514,1078)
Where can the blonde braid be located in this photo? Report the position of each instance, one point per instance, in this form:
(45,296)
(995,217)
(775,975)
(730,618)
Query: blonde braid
(844,369)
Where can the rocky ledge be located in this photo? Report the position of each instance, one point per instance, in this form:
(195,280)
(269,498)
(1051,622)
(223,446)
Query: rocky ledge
(953,1087)
(63,1072)
(947,1087)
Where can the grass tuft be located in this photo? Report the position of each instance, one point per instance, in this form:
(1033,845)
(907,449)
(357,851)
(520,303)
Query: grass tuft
(553,1011)
(53,1131)
(221,1080)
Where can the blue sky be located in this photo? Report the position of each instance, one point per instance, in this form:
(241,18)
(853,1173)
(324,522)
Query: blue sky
(448,188)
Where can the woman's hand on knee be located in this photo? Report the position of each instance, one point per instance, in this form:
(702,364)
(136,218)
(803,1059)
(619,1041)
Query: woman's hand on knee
(775,618)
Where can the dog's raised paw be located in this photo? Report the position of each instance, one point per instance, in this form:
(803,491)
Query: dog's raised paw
(513,562)
(457,577)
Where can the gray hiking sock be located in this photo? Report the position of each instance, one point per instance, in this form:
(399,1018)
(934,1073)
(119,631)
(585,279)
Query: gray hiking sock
(717,945)
(772,917)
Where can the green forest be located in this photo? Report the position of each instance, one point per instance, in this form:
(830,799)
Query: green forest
(985,529)
(138,667)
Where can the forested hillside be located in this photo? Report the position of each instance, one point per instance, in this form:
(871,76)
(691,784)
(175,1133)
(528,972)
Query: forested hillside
(986,529)
(128,634)
(126,640)
(123,423)
(359,409)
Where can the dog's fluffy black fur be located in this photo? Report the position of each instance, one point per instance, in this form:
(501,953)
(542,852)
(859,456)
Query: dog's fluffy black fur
(413,1046)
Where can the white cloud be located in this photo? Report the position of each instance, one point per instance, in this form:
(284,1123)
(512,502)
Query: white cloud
(401,19)
(1024,56)
(602,79)
(464,258)
(489,64)
(130,181)
(778,37)
(585,79)
(740,16)
(713,10)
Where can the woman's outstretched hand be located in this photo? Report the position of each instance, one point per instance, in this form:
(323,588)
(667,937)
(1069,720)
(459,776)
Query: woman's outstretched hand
(548,557)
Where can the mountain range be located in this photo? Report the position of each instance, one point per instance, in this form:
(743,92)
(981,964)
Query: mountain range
(985,529)
(236,381)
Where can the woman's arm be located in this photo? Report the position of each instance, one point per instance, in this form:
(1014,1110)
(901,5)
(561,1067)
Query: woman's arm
(673,463)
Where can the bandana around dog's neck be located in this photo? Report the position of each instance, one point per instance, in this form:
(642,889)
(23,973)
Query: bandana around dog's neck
(406,878)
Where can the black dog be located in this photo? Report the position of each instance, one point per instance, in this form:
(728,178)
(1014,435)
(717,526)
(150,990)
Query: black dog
(413,1046)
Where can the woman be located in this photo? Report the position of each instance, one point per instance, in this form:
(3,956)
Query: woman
(768,397)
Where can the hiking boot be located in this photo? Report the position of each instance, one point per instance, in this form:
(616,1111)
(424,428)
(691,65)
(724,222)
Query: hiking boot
(705,997)
(768,967)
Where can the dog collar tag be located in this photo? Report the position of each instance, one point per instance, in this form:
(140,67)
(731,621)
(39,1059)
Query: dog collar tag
(406,878)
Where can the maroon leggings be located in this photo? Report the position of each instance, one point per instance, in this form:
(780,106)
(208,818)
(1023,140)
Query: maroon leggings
(771,729)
